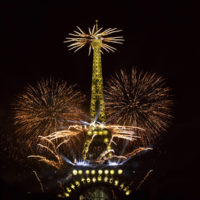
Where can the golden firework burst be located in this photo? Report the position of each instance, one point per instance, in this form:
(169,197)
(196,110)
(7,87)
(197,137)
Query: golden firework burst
(46,108)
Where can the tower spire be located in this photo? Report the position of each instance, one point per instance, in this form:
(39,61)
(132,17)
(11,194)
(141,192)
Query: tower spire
(97,108)
(99,136)
(97,21)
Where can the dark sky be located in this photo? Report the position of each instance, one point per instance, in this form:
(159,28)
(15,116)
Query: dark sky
(159,37)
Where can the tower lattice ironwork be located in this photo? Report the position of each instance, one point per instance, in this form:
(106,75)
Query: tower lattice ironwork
(97,108)
(98,41)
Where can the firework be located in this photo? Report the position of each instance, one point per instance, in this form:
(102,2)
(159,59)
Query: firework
(55,160)
(73,138)
(46,108)
(139,99)
(79,38)
(60,144)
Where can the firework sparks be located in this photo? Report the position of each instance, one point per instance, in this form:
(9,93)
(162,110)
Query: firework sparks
(123,132)
(49,147)
(142,181)
(52,145)
(46,108)
(71,139)
(69,136)
(79,38)
(139,99)
(37,177)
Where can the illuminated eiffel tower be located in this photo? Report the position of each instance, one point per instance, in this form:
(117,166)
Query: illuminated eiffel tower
(98,40)
(93,180)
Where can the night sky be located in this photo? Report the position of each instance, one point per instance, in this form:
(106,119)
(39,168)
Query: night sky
(159,37)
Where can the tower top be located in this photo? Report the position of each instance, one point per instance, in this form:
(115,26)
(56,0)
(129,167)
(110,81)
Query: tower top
(97,21)
(79,38)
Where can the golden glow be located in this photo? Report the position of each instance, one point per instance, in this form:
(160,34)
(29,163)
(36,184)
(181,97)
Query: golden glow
(105,132)
(121,186)
(93,172)
(128,192)
(72,186)
(106,171)
(75,172)
(77,183)
(100,171)
(66,194)
(126,188)
(100,132)
(105,179)
(68,189)
(111,180)
(87,171)
(88,180)
(106,140)
(99,178)
(120,171)
(89,132)
(83,180)
(116,182)
(94,179)
(80,172)
(112,171)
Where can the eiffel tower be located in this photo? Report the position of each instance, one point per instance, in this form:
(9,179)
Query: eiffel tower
(94,180)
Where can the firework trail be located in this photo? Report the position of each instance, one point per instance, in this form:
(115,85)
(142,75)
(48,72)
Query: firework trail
(142,181)
(139,99)
(74,137)
(46,108)
(37,177)
(49,148)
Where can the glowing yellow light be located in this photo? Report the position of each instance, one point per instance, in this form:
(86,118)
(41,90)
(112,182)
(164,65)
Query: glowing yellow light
(89,132)
(66,194)
(111,180)
(120,171)
(105,179)
(93,172)
(112,171)
(127,192)
(126,188)
(75,172)
(80,171)
(72,186)
(68,189)
(116,182)
(95,132)
(100,171)
(77,183)
(105,132)
(88,180)
(94,179)
(99,178)
(108,147)
(106,171)
(100,132)
(106,140)
(83,180)
(121,186)
(87,171)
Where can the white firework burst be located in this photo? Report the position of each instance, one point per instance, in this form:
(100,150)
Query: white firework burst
(79,38)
